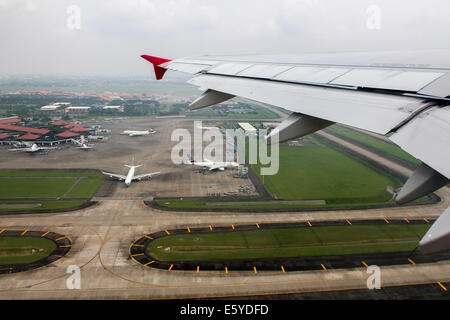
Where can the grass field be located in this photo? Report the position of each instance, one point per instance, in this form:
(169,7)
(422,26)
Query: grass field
(22,186)
(34,187)
(261,113)
(388,148)
(287,242)
(15,250)
(319,172)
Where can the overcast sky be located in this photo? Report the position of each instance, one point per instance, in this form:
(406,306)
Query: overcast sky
(41,36)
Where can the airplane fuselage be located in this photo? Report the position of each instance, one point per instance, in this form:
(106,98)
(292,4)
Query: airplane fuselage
(130,176)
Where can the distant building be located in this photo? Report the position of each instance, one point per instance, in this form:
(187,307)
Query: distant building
(50,107)
(247,127)
(4,136)
(67,134)
(28,136)
(59,123)
(12,128)
(77,109)
(12,119)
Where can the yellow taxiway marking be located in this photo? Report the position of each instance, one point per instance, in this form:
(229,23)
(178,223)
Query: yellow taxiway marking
(387,221)
(257,225)
(365,264)
(168,233)
(148,263)
(309,224)
(189,230)
(232,226)
(45,234)
(406,219)
(323,267)
(23,233)
(426,220)
(226,270)
(137,245)
(198,269)
(412,262)
(210,228)
(256,271)
(69,245)
(442,286)
(1,231)
(348,221)
(148,237)
(137,254)
(170,268)
(282,269)
(60,238)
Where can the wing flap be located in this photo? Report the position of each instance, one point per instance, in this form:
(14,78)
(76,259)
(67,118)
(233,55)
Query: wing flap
(114,175)
(427,137)
(371,111)
(146,175)
(387,79)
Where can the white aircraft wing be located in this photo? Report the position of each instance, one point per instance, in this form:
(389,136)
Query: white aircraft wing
(146,175)
(404,94)
(21,149)
(113,175)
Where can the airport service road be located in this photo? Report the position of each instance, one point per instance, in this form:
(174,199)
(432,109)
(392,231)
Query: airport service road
(371,155)
(102,234)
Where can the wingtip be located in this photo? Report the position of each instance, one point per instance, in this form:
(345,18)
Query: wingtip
(156,61)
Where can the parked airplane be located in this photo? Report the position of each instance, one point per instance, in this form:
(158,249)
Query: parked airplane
(34,148)
(211,165)
(403,94)
(130,175)
(132,133)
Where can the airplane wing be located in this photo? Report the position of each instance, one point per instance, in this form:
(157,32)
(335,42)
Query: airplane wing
(146,175)
(404,94)
(21,149)
(47,148)
(113,175)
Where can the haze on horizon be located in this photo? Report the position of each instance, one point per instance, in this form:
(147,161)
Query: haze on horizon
(113,34)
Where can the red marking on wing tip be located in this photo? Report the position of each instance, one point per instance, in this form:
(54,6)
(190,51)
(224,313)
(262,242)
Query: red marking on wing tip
(156,61)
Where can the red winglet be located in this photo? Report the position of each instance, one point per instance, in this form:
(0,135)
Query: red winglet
(156,61)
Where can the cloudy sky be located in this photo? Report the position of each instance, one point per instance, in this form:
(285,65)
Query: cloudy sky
(107,37)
